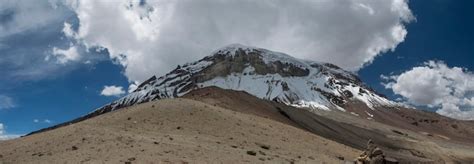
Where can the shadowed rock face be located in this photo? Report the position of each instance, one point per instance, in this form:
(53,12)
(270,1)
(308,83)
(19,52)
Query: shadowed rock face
(226,63)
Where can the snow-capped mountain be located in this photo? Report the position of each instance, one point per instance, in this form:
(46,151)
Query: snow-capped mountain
(263,73)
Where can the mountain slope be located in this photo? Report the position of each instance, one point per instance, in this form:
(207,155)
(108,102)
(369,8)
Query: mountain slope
(175,131)
(426,142)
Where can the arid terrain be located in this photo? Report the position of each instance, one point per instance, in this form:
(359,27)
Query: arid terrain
(176,131)
(213,125)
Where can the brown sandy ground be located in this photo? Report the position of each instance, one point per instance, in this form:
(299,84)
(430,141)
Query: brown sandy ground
(175,131)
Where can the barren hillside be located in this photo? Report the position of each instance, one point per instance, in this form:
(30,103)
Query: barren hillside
(176,131)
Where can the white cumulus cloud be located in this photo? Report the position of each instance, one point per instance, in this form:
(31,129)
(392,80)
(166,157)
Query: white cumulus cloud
(153,37)
(436,85)
(112,91)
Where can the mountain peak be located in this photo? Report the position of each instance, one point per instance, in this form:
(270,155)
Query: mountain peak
(231,49)
(234,48)
(263,73)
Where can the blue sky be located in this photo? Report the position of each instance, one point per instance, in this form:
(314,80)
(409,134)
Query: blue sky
(40,87)
(442,31)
